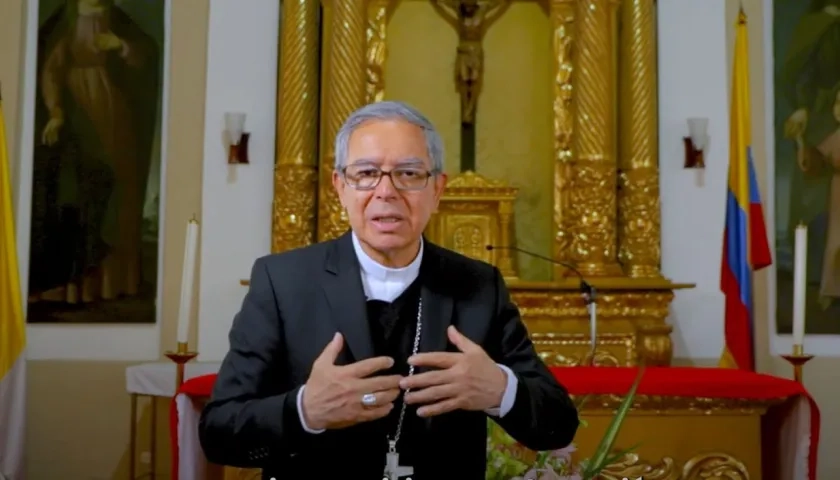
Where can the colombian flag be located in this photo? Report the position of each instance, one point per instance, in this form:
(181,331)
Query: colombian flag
(12,332)
(745,245)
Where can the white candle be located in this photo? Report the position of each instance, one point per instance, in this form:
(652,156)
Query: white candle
(187,282)
(799,282)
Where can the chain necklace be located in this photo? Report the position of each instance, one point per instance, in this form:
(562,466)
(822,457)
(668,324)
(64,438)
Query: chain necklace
(392,443)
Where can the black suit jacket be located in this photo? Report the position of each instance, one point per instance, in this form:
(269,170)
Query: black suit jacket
(297,301)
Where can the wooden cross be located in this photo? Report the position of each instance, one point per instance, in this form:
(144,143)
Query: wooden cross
(471,19)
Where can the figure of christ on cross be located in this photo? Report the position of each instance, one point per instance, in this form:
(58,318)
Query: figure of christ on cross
(471,19)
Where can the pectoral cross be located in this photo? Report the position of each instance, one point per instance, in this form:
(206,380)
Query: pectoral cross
(393,469)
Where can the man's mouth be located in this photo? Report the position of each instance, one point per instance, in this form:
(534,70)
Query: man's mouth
(387,218)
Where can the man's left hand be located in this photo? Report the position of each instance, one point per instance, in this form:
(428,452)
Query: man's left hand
(465,380)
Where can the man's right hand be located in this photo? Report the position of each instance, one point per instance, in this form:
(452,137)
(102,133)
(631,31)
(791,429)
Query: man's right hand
(333,395)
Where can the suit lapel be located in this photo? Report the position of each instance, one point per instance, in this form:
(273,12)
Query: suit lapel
(437,303)
(342,283)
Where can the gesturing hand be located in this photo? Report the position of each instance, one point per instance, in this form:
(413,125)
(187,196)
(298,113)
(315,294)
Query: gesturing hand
(333,394)
(468,380)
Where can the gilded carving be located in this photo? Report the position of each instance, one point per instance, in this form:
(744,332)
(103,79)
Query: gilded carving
(293,221)
(295,178)
(638,202)
(633,329)
(470,182)
(344,94)
(630,467)
(715,466)
(567,349)
(470,207)
(704,466)
(640,305)
(592,189)
(476,211)
(593,232)
(379,13)
(701,406)
(562,20)
(638,220)
(469,239)
(600,359)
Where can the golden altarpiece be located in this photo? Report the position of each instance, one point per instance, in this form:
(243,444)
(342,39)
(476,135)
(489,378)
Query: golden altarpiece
(606,215)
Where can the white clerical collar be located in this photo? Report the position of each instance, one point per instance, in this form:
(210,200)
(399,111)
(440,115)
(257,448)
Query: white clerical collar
(385,283)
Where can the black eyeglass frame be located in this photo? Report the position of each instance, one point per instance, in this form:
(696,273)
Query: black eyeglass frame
(383,174)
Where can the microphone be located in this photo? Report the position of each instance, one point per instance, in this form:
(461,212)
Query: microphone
(586,290)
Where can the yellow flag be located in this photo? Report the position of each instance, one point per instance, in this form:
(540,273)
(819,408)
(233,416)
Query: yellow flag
(12,330)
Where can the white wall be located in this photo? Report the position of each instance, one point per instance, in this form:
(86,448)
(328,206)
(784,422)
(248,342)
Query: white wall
(75,342)
(236,200)
(693,82)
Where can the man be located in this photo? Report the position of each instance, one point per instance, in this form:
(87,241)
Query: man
(333,337)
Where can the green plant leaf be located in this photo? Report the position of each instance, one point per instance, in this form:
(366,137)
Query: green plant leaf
(618,455)
(582,402)
(597,462)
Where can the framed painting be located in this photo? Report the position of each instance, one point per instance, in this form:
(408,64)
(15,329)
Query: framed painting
(806,50)
(96,162)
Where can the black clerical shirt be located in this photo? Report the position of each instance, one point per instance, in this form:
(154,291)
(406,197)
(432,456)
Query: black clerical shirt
(393,327)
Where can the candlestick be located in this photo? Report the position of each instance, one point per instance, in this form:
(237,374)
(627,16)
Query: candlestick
(187,281)
(798,359)
(181,357)
(799,283)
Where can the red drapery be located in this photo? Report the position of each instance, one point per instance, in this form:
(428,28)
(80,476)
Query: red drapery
(666,381)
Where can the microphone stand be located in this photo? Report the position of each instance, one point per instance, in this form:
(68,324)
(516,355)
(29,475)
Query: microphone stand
(587,291)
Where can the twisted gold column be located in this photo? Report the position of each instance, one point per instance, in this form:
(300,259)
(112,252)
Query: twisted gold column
(379,13)
(562,13)
(638,200)
(345,92)
(295,171)
(592,189)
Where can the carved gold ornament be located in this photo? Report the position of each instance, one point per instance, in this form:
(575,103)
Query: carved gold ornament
(705,466)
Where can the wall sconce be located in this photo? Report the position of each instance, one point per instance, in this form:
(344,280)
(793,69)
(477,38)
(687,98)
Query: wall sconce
(237,138)
(696,142)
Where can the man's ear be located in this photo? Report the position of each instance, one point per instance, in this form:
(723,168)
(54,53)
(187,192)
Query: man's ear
(440,186)
(339,186)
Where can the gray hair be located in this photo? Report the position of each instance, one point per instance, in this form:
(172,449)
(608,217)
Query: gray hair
(388,110)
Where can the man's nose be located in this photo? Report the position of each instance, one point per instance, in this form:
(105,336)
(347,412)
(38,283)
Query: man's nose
(386,187)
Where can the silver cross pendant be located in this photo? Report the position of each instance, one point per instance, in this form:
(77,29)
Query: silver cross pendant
(393,469)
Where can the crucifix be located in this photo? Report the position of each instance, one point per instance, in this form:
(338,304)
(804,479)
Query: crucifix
(471,19)
(393,469)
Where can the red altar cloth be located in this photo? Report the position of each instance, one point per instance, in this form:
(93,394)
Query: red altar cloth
(792,429)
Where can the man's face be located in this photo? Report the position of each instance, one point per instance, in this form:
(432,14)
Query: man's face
(389,221)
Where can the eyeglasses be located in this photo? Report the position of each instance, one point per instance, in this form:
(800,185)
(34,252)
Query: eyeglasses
(367,177)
